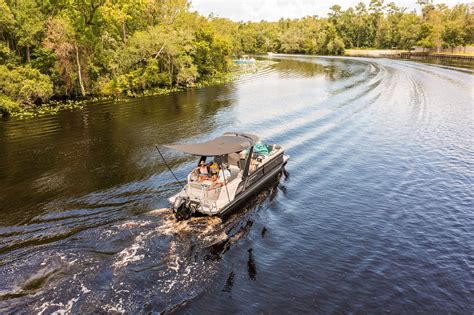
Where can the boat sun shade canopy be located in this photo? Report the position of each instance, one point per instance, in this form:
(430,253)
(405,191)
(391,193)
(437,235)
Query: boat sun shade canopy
(230,142)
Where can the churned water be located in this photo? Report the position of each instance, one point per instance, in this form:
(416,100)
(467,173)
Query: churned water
(374,213)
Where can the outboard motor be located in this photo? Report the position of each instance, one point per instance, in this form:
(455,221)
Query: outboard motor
(182,209)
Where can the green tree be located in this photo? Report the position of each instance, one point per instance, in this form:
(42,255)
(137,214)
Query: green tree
(61,39)
(376,20)
(409,30)
(29,25)
(453,34)
(7,24)
(22,86)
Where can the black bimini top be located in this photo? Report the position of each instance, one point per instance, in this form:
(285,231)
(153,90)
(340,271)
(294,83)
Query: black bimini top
(230,142)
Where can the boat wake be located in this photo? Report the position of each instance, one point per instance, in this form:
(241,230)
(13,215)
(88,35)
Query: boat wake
(173,260)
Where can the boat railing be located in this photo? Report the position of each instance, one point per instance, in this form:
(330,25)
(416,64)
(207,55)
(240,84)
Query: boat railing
(210,205)
(204,190)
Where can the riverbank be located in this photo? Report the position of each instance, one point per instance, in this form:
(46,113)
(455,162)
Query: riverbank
(406,54)
(459,56)
(454,54)
(374,53)
(56,106)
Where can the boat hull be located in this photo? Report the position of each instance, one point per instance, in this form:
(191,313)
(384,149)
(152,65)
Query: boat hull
(251,191)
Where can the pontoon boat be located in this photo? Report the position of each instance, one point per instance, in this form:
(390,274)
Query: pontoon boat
(238,169)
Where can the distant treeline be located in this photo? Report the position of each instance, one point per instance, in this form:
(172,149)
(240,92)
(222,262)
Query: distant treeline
(71,48)
(377,25)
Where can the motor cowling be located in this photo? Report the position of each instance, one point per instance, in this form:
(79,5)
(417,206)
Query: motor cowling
(182,209)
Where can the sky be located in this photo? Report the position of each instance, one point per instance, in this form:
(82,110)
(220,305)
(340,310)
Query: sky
(273,10)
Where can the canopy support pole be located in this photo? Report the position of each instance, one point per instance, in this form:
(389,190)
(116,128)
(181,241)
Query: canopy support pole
(225,180)
(248,163)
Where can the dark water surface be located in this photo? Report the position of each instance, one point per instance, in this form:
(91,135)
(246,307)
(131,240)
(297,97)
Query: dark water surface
(376,213)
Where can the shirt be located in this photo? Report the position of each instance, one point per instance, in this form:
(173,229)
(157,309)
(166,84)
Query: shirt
(214,168)
(203,170)
(223,174)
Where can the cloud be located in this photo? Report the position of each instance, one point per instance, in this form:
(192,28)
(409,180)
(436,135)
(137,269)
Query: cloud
(273,10)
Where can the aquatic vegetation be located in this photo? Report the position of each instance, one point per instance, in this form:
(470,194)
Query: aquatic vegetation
(53,107)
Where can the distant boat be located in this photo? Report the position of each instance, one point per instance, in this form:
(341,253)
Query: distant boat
(244,60)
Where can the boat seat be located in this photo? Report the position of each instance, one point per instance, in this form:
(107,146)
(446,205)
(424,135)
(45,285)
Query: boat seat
(233,159)
(196,185)
(234,172)
(213,193)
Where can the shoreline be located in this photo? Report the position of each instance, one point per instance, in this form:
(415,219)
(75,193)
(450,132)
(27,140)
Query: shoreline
(373,53)
(405,54)
(54,107)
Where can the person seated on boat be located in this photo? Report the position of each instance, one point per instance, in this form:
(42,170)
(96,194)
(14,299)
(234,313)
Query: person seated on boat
(203,171)
(224,174)
(253,165)
(213,168)
(214,181)
(195,174)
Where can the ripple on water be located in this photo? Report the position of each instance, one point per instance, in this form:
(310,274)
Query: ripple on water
(374,213)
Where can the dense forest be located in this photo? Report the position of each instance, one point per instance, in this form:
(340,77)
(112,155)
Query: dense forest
(63,49)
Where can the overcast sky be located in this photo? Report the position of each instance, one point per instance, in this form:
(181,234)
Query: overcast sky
(272,10)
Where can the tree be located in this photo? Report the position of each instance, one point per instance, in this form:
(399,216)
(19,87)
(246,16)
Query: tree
(362,26)
(409,30)
(29,24)
(22,86)
(376,19)
(453,35)
(61,38)
(7,23)
(430,30)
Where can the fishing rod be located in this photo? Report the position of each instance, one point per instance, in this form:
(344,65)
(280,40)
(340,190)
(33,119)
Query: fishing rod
(169,168)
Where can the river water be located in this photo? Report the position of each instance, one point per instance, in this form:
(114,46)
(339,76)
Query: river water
(374,213)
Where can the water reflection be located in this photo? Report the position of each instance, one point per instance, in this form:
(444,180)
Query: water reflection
(461,63)
(101,147)
(331,69)
(229,282)
(251,268)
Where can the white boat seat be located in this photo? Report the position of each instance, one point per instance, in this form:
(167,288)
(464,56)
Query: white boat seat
(196,185)
(234,172)
(234,159)
(213,193)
